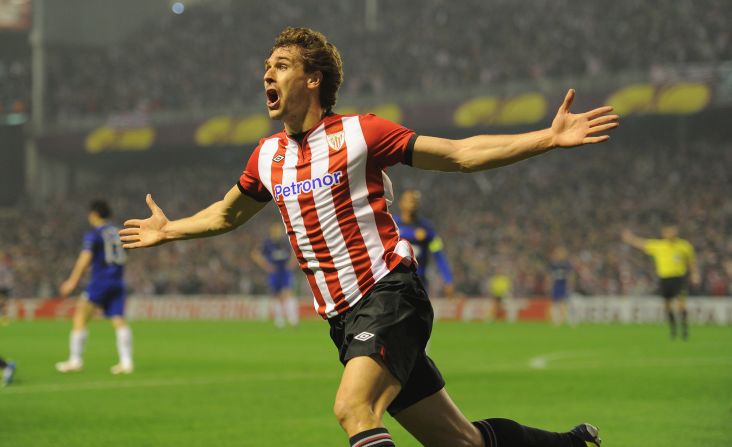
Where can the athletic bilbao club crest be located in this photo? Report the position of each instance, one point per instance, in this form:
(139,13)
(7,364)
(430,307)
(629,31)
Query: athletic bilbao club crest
(336,140)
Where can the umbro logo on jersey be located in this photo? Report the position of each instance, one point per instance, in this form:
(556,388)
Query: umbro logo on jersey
(336,140)
(363,336)
(278,158)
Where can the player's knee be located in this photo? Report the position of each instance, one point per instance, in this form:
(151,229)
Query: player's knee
(353,414)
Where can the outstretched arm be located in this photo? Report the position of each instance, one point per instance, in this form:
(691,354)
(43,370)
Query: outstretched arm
(220,217)
(261,261)
(633,240)
(492,151)
(82,263)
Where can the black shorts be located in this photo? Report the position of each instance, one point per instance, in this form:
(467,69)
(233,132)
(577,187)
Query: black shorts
(672,287)
(392,323)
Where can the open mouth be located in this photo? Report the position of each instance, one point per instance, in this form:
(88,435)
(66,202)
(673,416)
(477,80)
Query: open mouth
(273,98)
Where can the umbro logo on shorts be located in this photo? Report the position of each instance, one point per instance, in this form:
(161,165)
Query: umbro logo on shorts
(363,336)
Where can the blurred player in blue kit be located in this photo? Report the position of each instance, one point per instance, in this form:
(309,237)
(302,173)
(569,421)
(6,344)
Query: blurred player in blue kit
(102,250)
(560,272)
(424,240)
(275,258)
(8,372)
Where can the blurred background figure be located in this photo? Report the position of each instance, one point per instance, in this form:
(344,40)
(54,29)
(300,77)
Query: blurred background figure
(102,251)
(500,287)
(675,262)
(7,279)
(425,241)
(101,99)
(8,371)
(275,257)
(560,283)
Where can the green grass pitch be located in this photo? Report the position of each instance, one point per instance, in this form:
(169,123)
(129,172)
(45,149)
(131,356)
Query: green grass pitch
(248,384)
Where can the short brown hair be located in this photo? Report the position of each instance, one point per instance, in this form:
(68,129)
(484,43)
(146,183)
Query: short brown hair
(318,55)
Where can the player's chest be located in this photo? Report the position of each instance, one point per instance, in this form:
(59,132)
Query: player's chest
(301,171)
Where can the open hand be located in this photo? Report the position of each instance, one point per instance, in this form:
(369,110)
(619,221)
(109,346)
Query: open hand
(140,233)
(570,129)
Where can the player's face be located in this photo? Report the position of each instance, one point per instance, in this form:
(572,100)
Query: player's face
(669,231)
(286,85)
(409,202)
(275,231)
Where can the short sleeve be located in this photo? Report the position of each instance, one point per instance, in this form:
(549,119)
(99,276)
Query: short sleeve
(250,183)
(89,241)
(388,143)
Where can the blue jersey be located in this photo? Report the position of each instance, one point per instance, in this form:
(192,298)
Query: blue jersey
(425,241)
(108,256)
(560,272)
(277,253)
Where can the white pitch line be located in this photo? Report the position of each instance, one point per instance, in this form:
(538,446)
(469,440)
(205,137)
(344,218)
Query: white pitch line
(153,383)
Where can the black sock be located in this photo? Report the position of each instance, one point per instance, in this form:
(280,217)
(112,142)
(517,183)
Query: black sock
(671,321)
(684,324)
(376,437)
(507,433)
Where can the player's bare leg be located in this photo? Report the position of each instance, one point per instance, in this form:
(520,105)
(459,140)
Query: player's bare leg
(83,311)
(683,316)
(279,309)
(437,421)
(124,346)
(671,315)
(291,307)
(366,390)
(559,312)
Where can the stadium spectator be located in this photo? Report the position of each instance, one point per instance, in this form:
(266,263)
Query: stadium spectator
(159,68)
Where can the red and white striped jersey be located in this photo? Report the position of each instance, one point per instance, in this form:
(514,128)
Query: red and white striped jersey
(333,194)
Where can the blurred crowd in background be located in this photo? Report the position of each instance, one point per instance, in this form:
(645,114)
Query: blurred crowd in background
(504,221)
(211,56)
(15,79)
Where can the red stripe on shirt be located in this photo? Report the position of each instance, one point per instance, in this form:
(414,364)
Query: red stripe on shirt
(313,229)
(360,260)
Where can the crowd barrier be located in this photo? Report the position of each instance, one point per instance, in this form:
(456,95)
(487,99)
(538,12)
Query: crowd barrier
(598,309)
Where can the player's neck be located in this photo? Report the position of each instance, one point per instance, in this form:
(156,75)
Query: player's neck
(409,217)
(301,124)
